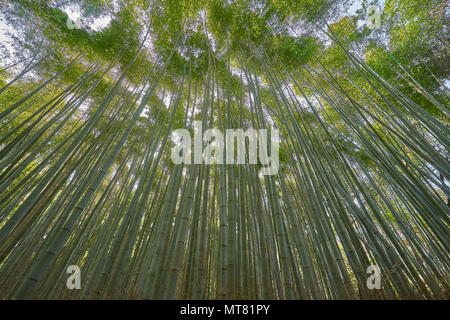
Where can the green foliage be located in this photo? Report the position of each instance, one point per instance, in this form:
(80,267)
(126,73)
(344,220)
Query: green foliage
(86,175)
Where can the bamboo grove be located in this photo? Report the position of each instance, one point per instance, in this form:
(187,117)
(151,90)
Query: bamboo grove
(86,179)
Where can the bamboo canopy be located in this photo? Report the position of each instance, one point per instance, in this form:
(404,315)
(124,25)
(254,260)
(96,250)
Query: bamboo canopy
(86,178)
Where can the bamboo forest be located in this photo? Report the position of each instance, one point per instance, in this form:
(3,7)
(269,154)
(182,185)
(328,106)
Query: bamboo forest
(351,96)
